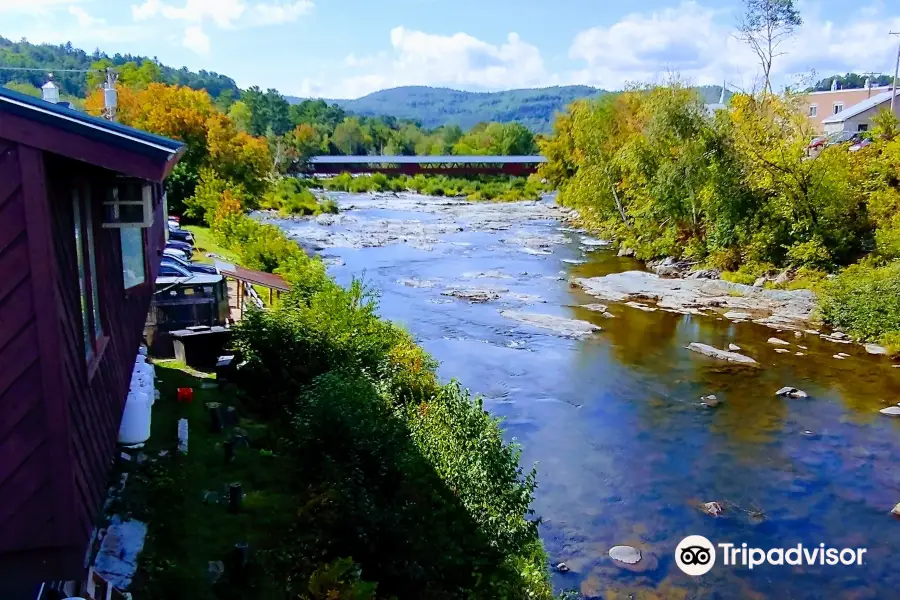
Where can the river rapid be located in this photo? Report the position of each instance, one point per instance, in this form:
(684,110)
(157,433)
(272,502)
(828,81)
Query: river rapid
(625,452)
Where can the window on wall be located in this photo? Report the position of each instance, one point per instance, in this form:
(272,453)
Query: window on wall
(863,127)
(133,266)
(838,107)
(86,258)
(813,110)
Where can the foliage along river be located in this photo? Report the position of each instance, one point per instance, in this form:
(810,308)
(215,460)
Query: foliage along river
(625,453)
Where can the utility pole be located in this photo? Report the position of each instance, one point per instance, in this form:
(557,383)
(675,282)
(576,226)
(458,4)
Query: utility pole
(896,74)
(110,96)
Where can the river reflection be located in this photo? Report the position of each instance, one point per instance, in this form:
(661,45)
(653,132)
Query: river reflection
(624,451)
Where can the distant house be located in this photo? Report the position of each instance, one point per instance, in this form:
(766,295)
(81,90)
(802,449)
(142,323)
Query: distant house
(859,116)
(821,106)
(82,229)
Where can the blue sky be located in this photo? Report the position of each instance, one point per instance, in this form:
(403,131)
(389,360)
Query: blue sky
(348,48)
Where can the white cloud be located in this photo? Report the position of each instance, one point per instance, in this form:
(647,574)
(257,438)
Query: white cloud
(419,58)
(698,43)
(33,7)
(224,14)
(83,18)
(195,39)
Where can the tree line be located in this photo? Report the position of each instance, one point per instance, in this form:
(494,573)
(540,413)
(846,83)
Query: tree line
(737,191)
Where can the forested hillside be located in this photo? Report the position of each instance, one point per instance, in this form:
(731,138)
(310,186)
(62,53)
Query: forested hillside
(47,57)
(434,107)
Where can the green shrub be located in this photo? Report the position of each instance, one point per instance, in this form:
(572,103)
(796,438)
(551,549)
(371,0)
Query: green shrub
(864,301)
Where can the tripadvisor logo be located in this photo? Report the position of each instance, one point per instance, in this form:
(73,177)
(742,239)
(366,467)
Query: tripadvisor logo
(696,555)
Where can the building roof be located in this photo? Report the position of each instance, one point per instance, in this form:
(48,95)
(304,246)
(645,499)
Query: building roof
(420,160)
(269,280)
(859,108)
(114,136)
(875,88)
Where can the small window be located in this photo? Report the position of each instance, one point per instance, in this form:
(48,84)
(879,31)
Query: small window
(133,266)
(85,256)
(838,107)
(813,110)
(863,127)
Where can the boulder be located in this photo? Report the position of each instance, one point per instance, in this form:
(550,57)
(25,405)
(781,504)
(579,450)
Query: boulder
(760,282)
(713,352)
(559,325)
(737,316)
(839,335)
(791,392)
(876,349)
(713,509)
(784,277)
(600,308)
(562,567)
(777,342)
(839,357)
(782,350)
(798,334)
(891,411)
(704,274)
(799,354)
(625,554)
(640,306)
(896,510)
(734,348)
(843,355)
(710,401)
(629,252)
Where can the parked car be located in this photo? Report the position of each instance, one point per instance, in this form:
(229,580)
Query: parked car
(862,144)
(193,267)
(184,247)
(170,269)
(181,235)
(175,253)
(817,142)
(842,137)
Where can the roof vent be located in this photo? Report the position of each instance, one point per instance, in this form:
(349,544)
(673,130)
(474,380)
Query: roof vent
(50,91)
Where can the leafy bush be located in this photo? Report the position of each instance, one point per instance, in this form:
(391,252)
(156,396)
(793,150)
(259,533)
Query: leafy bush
(291,196)
(864,301)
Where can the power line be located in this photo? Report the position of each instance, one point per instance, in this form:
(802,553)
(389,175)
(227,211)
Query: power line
(51,70)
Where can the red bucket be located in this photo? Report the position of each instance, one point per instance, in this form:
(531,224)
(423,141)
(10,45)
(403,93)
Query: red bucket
(186,395)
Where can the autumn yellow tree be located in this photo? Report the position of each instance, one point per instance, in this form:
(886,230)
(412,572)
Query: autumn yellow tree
(213,142)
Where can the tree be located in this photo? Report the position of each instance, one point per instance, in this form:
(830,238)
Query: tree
(764,26)
(240,114)
(349,138)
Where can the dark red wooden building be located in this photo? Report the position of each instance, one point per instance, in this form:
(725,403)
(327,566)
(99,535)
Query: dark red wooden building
(75,287)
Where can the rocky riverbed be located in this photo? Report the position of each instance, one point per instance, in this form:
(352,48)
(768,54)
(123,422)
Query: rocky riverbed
(639,438)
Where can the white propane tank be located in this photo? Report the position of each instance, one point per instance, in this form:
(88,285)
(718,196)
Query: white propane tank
(135,426)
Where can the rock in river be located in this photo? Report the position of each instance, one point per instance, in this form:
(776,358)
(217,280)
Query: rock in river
(559,325)
(734,348)
(876,349)
(474,295)
(891,411)
(625,554)
(710,401)
(791,392)
(777,342)
(640,306)
(737,316)
(713,509)
(720,354)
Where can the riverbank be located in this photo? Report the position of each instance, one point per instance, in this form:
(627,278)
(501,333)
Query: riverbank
(614,407)
(499,188)
(373,450)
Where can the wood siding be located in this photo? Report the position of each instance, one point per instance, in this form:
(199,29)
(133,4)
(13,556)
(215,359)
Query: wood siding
(29,518)
(59,413)
(96,393)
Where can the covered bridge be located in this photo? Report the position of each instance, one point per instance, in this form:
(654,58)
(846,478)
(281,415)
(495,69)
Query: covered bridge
(429,165)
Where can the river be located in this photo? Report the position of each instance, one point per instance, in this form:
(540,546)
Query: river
(625,452)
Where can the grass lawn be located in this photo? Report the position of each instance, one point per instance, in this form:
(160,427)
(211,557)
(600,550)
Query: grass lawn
(188,527)
(204,242)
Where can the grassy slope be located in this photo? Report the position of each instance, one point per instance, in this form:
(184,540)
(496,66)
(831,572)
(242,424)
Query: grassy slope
(186,533)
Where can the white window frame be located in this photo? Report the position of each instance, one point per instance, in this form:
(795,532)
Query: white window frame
(813,111)
(838,108)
